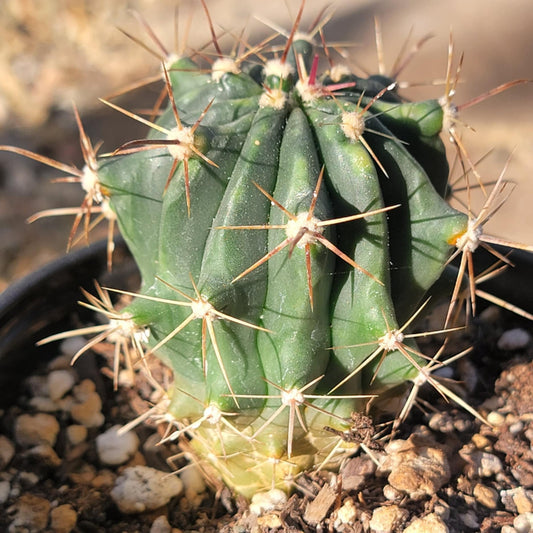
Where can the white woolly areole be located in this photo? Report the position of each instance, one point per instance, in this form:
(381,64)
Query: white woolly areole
(352,125)
(212,414)
(308,93)
(275,67)
(337,72)
(124,328)
(295,226)
(185,137)
(292,397)
(274,98)
(471,237)
(91,184)
(450,115)
(222,66)
(202,309)
(391,340)
(170,60)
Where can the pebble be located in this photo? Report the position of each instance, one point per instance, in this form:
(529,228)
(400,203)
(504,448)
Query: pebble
(5,488)
(430,522)
(141,488)
(345,515)
(514,339)
(523,523)
(115,448)
(63,519)
(388,519)
(416,467)
(46,455)
(7,451)
(60,382)
(494,418)
(40,428)
(484,464)
(161,525)
(486,496)
(263,502)
(30,513)
(76,434)
(88,412)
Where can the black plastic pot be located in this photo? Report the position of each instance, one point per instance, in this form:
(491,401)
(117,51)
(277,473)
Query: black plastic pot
(46,302)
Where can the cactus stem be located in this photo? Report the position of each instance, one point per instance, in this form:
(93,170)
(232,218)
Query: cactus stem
(302,230)
(294,399)
(393,340)
(200,309)
(180,140)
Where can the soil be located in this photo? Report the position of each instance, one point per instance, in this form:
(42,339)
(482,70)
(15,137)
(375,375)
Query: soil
(485,484)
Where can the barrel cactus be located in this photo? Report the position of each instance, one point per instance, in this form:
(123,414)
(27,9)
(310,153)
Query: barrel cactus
(287,224)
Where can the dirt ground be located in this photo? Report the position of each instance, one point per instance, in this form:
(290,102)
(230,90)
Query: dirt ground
(59,52)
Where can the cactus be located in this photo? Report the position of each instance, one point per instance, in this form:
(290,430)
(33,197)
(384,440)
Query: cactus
(287,225)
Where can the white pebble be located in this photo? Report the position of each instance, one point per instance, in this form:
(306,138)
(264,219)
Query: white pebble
(523,523)
(60,382)
(514,339)
(161,525)
(263,502)
(116,448)
(141,488)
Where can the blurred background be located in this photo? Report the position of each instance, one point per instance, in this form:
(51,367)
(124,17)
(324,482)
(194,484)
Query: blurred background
(61,52)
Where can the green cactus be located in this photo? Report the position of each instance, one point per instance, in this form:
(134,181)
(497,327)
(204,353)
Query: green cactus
(287,225)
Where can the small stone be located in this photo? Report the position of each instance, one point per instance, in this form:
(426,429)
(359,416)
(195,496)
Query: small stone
(523,499)
(31,430)
(416,467)
(345,515)
(43,404)
(30,513)
(88,411)
(104,478)
(494,418)
(76,434)
(514,339)
(28,479)
(484,464)
(60,382)
(5,488)
(486,496)
(46,455)
(388,519)
(193,480)
(63,519)
(115,448)
(7,451)
(269,522)
(523,523)
(470,520)
(430,522)
(263,502)
(141,488)
(480,441)
(161,525)
(391,493)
